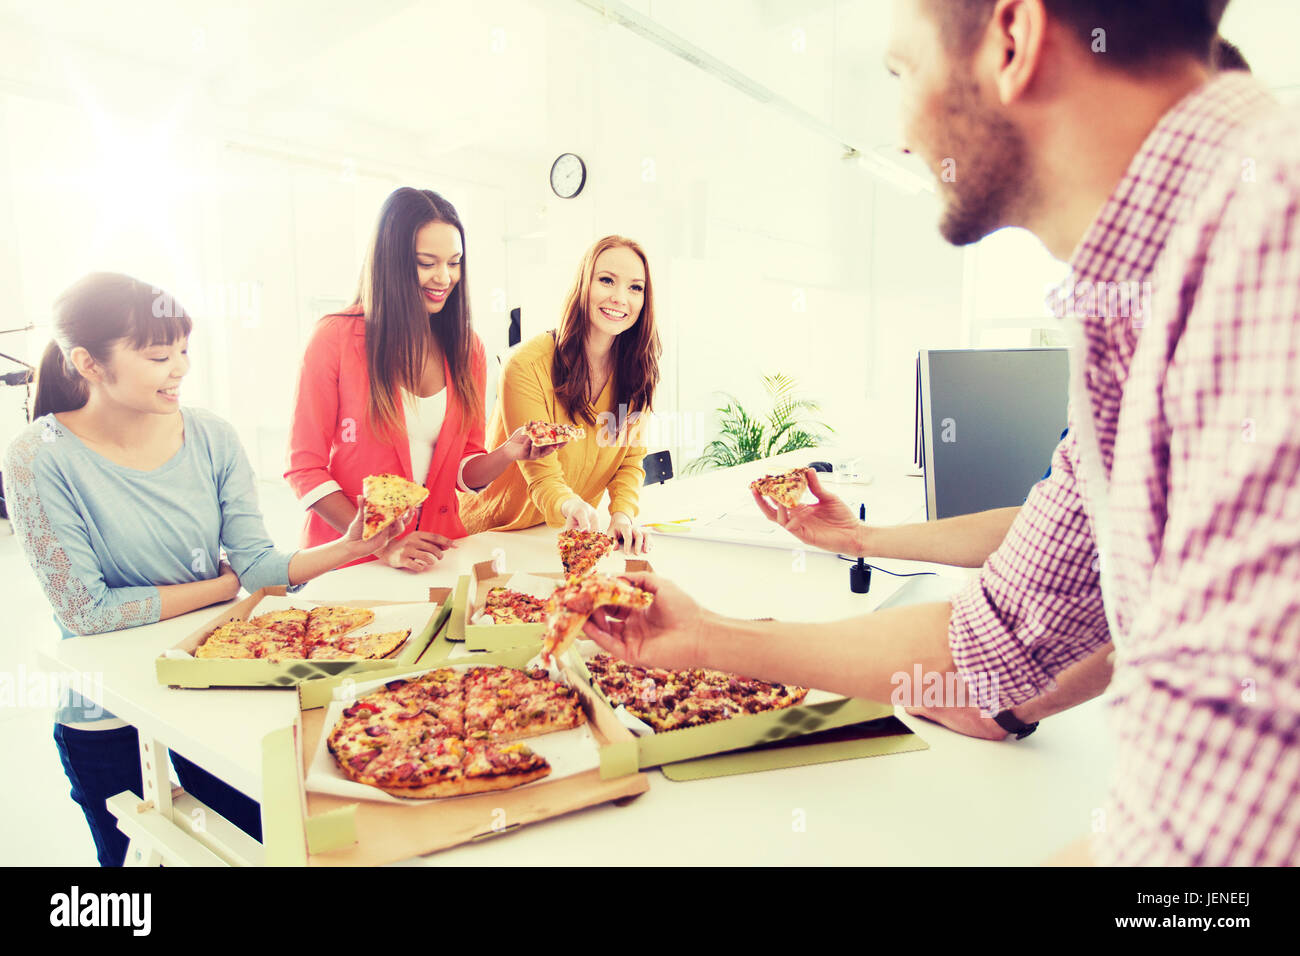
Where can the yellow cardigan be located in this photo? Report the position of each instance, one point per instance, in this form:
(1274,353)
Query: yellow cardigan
(533,491)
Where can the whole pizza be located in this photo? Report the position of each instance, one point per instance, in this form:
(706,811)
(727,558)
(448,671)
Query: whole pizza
(671,700)
(449,733)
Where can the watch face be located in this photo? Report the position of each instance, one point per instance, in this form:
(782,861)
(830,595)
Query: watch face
(568,175)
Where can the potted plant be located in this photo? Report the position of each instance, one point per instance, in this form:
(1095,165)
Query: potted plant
(746,437)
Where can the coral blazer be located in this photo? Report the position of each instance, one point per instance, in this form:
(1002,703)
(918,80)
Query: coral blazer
(330,438)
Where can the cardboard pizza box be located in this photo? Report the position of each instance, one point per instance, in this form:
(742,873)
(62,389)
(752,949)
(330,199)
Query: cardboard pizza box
(176,667)
(471,593)
(345,832)
(820,711)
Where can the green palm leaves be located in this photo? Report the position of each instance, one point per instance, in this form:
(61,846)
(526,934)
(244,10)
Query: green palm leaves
(745,437)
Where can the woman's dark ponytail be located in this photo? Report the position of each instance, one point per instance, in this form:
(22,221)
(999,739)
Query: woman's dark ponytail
(96,313)
(59,387)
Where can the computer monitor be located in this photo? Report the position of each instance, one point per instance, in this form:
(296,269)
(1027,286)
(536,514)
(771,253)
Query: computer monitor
(988,421)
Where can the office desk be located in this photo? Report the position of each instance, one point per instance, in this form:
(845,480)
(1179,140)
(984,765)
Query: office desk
(963,801)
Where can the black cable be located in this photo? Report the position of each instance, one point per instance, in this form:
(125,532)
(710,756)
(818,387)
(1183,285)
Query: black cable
(914,574)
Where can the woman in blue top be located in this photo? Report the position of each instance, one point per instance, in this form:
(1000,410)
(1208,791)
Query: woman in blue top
(125,503)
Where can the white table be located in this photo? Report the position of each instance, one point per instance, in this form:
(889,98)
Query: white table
(963,801)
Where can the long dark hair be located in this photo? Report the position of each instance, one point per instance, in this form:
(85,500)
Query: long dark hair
(636,350)
(398,324)
(95,313)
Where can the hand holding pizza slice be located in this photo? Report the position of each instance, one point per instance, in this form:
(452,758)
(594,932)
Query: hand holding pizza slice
(668,633)
(784,489)
(827,522)
(386,498)
(568,608)
(553,433)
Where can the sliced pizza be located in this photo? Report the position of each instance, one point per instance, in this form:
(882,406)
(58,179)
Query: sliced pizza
(580,551)
(387,498)
(671,700)
(784,489)
(553,433)
(449,733)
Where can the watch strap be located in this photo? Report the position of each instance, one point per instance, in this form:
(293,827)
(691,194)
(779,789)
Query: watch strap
(1013,725)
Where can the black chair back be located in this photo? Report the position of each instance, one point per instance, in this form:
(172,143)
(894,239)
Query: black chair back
(658,467)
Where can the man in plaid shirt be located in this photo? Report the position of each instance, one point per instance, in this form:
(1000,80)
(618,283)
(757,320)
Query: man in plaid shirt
(1171,519)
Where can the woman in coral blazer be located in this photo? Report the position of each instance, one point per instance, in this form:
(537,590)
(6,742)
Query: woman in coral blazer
(395,385)
(598,370)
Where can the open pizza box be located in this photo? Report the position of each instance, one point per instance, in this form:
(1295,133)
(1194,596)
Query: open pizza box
(819,711)
(347,831)
(178,667)
(480,633)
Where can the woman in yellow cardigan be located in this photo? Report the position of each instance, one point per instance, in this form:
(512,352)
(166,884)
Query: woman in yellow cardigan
(598,370)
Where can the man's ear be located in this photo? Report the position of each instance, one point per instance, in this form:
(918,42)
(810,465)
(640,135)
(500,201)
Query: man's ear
(1018,29)
(86,365)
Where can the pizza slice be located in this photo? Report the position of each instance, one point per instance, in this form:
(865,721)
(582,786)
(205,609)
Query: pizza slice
(372,646)
(784,489)
(325,624)
(569,607)
(501,766)
(387,498)
(553,433)
(580,551)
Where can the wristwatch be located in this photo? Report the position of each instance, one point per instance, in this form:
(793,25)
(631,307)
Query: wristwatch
(1012,724)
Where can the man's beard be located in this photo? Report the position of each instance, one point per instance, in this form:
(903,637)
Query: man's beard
(992,178)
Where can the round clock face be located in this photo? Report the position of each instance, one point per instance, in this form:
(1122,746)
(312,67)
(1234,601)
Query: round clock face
(568,175)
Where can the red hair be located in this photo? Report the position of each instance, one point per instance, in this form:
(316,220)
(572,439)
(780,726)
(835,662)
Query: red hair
(635,351)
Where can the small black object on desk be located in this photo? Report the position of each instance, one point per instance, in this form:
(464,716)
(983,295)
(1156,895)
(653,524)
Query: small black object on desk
(860,573)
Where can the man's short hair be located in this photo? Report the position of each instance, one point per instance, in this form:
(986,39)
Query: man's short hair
(1227,56)
(1136,33)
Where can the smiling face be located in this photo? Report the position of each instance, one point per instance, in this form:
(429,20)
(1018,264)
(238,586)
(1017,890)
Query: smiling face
(438,255)
(140,380)
(978,157)
(617,291)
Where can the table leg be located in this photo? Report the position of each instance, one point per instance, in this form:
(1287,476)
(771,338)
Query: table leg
(153,772)
(157,790)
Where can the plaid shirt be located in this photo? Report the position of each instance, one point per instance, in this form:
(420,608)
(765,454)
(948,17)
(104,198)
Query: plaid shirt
(1196,498)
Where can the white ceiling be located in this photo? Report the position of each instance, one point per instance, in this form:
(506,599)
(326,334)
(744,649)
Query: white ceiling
(457,73)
